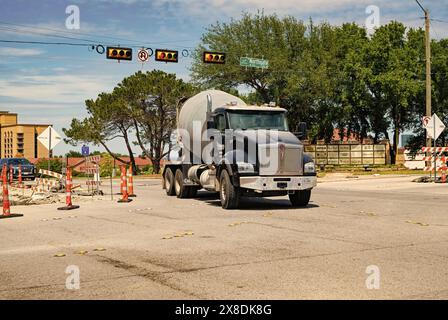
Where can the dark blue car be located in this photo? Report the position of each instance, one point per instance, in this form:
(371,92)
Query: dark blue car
(28,169)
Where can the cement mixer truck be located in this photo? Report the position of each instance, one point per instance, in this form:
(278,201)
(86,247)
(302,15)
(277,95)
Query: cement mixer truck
(225,146)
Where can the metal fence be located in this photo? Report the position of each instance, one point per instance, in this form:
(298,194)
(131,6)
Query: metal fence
(348,154)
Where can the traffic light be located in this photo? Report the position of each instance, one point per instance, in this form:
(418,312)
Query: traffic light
(166,55)
(214,57)
(118,53)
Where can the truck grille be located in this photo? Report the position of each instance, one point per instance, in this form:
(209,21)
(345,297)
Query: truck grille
(280,160)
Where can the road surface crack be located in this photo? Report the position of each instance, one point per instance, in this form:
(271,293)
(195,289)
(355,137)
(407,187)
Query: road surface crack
(157,277)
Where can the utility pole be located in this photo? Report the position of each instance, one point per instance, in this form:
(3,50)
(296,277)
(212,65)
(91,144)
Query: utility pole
(428,70)
(428,73)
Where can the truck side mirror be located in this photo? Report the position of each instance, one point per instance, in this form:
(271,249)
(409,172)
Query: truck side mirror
(301,134)
(211,124)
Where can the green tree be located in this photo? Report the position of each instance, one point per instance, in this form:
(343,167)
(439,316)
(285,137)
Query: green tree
(151,99)
(55,165)
(73,154)
(107,120)
(440,83)
(280,41)
(303,69)
(330,76)
(394,81)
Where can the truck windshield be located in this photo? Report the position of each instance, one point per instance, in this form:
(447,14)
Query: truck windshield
(258,120)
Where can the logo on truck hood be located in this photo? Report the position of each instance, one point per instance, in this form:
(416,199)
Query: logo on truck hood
(281,147)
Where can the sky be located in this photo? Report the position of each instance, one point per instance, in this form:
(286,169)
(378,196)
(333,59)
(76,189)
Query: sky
(49,84)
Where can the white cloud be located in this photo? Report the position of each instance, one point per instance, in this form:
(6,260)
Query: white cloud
(60,88)
(216,8)
(16,52)
(53,31)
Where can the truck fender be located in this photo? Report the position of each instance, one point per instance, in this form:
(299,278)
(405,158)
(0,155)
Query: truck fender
(307,158)
(232,173)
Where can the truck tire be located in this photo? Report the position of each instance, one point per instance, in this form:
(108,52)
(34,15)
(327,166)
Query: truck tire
(179,188)
(300,198)
(229,195)
(169,182)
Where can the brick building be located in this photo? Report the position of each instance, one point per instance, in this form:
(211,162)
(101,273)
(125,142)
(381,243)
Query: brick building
(20,140)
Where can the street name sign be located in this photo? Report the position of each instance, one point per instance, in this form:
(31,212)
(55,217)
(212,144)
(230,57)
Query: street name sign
(254,63)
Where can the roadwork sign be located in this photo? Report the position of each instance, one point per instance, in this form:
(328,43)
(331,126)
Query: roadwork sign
(96,159)
(434,126)
(49,138)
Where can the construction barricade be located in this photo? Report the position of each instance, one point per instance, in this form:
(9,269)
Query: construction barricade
(438,162)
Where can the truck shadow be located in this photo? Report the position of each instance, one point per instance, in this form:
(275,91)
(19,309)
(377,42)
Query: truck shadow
(252,203)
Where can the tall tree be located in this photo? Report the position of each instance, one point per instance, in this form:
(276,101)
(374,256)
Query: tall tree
(150,100)
(107,120)
(440,83)
(395,79)
(280,41)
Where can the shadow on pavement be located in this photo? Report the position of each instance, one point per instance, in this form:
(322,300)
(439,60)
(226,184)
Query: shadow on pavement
(252,203)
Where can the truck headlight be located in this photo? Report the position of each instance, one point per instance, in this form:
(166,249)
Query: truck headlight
(244,167)
(309,167)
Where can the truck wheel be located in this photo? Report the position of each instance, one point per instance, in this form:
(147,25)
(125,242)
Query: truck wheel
(300,198)
(229,195)
(179,188)
(169,182)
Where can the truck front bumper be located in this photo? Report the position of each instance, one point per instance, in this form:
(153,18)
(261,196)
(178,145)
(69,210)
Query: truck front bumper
(278,183)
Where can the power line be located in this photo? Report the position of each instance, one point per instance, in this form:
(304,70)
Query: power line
(59,31)
(139,43)
(43,34)
(90,41)
(46,43)
(439,20)
(433,29)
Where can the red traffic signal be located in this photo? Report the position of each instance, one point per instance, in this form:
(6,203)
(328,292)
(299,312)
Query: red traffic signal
(167,55)
(214,57)
(118,53)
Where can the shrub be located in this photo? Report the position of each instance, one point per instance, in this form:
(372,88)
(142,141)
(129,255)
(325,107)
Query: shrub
(55,165)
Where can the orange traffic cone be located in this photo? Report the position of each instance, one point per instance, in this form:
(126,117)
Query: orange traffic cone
(124,187)
(130,183)
(6,205)
(68,192)
(444,174)
(20,176)
(10,174)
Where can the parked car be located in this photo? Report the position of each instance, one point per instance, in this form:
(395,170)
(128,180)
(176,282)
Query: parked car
(28,169)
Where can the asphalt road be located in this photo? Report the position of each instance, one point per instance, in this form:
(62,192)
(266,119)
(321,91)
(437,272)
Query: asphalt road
(160,247)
